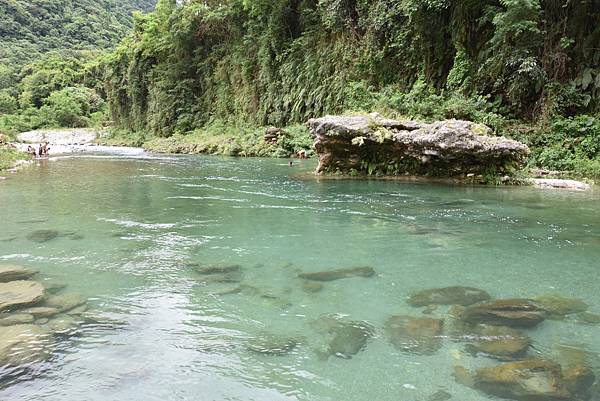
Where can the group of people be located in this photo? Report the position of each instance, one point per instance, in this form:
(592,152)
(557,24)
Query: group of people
(43,150)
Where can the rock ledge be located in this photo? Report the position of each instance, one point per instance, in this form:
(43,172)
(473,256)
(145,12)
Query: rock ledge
(371,144)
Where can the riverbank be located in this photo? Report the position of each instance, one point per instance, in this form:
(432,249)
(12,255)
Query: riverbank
(11,158)
(61,142)
(241,142)
(70,141)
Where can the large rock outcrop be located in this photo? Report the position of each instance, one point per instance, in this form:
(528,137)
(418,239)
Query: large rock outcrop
(374,145)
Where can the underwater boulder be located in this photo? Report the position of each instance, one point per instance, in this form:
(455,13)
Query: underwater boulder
(312,286)
(456,295)
(65,302)
(272,345)
(220,274)
(217,269)
(64,325)
(530,379)
(440,395)
(346,338)
(500,342)
(417,335)
(558,306)
(589,318)
(332,275)
(12,319)
(40,311)
(505,312)
(14,273)
(24,344)
(18,294)
(41,236)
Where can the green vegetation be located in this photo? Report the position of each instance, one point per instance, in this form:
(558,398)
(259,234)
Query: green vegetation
(9,157)
(219,138)
(200,76)
(49,74)
(527,68)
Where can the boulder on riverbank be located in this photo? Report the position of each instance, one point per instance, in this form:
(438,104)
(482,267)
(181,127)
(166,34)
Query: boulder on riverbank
(374,145)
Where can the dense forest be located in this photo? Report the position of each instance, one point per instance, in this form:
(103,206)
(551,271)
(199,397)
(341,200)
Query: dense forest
(528,68)
(192,70)
(45,47)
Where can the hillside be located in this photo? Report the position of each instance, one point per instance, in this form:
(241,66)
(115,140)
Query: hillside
(30,28)
(528,68)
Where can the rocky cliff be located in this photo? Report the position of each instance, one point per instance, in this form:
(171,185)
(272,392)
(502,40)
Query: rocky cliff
(375,145)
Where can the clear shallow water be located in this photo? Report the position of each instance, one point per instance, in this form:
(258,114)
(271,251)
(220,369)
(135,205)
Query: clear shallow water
(144,220)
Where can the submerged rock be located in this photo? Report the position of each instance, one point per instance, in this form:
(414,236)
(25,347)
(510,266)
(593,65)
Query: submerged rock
(11,319)
(499,342)
(268,344)
(505,312)
(22,344)
(531,379)
(13,273)
(418,335)
(16,294)
(440,395)
(372,144)
(312,286)
(589,317)
(223,269)
(43,235)
(558,306)
(64,325)
(346,338)
(53,286)
(234,277)
(332,275)
(40,311)
(66,302)
(220,274)
(464,296)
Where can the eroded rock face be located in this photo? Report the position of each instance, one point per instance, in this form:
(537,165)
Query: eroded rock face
(16,294)
(374,145)
(464,296)
(505,312)
(332,275)
(420,336)
(533,379)
(13,272)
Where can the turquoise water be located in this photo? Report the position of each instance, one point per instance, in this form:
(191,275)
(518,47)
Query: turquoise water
(141,223)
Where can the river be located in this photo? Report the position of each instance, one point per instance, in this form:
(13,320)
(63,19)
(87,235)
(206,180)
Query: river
(136,231)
